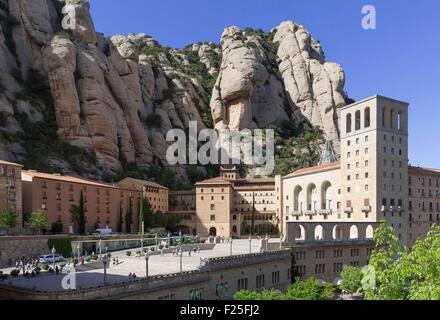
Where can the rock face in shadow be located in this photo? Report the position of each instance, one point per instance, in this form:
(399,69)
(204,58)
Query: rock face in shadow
(117,97)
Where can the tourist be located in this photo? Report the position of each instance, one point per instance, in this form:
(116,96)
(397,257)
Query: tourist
(117,261)
(130,276)
(189,253)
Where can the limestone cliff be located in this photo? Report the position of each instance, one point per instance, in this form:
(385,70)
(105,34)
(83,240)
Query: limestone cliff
(76,101)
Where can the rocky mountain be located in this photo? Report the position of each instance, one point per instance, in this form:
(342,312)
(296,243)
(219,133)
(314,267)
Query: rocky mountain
(75,101)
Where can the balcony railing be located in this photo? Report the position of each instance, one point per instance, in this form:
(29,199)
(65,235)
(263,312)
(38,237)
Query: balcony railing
(325,212)
(348,210)
(297,213)
(366,209)
(311,213)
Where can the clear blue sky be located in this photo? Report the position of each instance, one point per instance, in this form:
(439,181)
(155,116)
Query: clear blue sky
(400,59)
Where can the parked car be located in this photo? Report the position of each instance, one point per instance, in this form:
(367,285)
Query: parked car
(48,258)
(103,232)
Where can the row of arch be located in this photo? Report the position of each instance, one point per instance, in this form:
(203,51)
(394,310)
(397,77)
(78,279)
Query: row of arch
(314,200)
(337,233)
(393,120)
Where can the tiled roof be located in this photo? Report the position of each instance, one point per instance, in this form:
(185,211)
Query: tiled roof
(217,180)
(423,171)
(35,174)
(333,165)
(145,183)
(6,163)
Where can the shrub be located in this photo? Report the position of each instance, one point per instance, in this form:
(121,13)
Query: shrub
(62,246)
(128,253)
(15,273)
(75,261)
(57,228)
(88,259)
(161,247)
(45,267)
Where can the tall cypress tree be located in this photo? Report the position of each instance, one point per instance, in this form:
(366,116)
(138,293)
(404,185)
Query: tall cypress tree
(141,211)
(253,214)
(82,219)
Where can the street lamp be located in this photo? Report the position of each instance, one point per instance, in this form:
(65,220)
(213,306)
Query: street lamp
(230,243)
(181,261)
(156,241)
(147,258)
(78,248)
(281,242)
(250,244)
(100,249)
(168,240)
(104,261)
(267,242)
(53,257)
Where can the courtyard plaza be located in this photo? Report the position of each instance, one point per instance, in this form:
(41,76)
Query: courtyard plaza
(92,274)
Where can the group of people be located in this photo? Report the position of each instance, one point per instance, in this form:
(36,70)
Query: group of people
(132,276)
(178,252)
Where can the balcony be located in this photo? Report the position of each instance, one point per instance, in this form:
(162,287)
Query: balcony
(349,210)
(311,213)
(326,212)
(297,213)
(366,209)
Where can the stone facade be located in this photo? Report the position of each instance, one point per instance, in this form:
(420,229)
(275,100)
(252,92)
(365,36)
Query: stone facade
(156,194)
(226,206)
(424,202)
(217,279)
(183,203)
(56,194)
(13,248)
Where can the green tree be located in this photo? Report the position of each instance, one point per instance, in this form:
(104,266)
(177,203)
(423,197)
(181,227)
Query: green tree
(245,295)
(351,279)
(37,221)
(310,289)
(129,220)
(8,220)
(403,274)
(120,220)
(78,215)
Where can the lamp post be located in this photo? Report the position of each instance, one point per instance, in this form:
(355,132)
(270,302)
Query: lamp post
(267,242)
(78,247)
(181,261)
(168,240)
(281,242)
(147,258)
(100,249)
(230,243)
(104,261)
(250,244)
(53,257)
(156,241)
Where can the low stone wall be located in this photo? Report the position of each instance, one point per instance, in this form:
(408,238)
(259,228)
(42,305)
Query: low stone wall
(13,248)
(217,271)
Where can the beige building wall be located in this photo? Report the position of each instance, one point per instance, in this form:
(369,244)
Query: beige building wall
(214,208)
(155,193)
(424,202)
(374,162)
(11,190)
(56,194)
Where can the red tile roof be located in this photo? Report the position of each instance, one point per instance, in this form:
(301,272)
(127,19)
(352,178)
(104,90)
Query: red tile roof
(48,176)
(423,171)
(314,169)
(6,163)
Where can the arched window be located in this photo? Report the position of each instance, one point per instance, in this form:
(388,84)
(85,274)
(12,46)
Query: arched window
(300,233)
(349,121)
(358,120)
(337,233)
(367,118)
(399,121)
(392,119)
(319,233)
(354,234)
(370,232)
